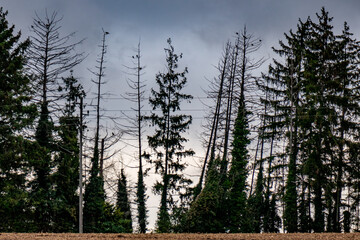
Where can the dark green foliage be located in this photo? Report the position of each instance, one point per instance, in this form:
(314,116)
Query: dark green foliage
(140,198)
(122,202)
(203,215)
(167,141)
(305,220)
(317,77)
(238,173)
(94,198)
(256,203)
(290,199)
(66,178)
(16,114)
(309,162)
(113,220)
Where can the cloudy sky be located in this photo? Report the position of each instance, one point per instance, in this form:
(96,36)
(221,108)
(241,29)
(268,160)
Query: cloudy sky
(198,28)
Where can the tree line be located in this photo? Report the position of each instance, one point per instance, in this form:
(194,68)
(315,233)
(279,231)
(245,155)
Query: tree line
(282,148)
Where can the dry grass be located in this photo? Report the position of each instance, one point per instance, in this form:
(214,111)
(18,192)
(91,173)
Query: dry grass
(65,236)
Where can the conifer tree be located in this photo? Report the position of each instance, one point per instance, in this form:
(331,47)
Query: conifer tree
(203,215)
(167,141)
(66,178)
(238,172)
(284,83)
(16,114)
(94,198)
(347,69)
(122,202)
(245,45)
(319,138)
(256,202)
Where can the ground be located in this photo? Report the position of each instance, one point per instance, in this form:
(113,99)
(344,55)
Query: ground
(68,236)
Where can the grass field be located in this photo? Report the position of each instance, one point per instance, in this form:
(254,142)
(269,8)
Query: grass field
(68,236)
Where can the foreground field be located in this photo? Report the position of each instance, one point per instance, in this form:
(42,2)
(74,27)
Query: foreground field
(68,236)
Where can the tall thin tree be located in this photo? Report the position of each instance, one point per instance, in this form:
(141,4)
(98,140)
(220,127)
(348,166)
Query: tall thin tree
(94,199)
(167,141)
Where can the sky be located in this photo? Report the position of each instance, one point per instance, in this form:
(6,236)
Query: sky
(198,28)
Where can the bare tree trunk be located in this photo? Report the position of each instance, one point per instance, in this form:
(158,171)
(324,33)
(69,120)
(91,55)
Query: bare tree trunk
(210,152)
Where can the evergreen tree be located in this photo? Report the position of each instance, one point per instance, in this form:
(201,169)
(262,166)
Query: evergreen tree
(141,198)
(291,75)
(122,202)
(238,173)
(16,114)
(347,100)
(274,219)
(318,142)
(167,141)
(256,203)
(66,178)
(203,215)
(94,198)
(245,45)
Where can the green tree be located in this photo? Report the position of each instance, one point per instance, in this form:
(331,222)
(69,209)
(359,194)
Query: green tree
(16,114)
(122,202)
(347,98)
(318,134)
(256,203)
(203,215)
(245,45)
(238,172)
(94,198)
(167,141)
(66,177)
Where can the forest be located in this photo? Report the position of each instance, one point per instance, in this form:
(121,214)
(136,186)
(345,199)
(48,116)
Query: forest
(282,146)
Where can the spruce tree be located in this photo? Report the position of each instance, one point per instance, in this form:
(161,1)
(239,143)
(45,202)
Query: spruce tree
(319,111)
(238,173)
(203,215)
(16,115)
(167,141)
(66,177)
(256,203)
(284,82)
(94,198)
(122,202)
(347,100)
(236,198)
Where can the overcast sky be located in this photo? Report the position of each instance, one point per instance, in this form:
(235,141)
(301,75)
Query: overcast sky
(198,28)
